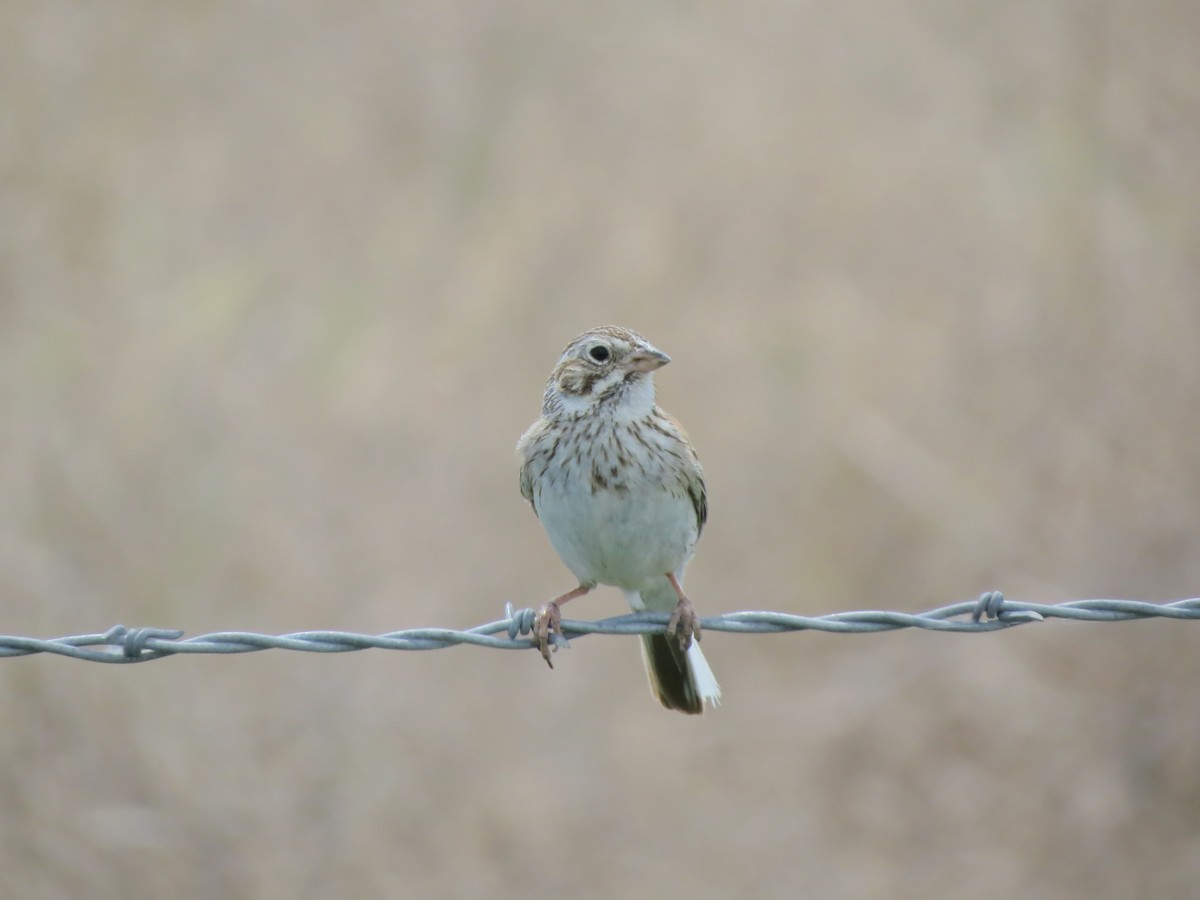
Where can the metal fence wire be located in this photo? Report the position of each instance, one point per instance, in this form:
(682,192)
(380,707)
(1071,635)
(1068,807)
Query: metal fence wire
(991,612)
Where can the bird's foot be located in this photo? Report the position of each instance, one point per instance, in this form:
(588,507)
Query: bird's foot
(547,622)
(684,623)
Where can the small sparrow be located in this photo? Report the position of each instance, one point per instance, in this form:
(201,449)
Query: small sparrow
(618,488)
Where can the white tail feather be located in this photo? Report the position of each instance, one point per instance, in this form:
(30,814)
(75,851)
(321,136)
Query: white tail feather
(702,676)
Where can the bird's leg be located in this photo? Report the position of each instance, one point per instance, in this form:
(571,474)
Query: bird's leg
(684,623)
(548,621)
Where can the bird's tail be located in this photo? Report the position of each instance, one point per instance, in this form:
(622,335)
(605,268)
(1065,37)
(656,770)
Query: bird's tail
(679,679)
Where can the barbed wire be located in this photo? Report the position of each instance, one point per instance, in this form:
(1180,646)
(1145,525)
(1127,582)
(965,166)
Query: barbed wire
(991,612)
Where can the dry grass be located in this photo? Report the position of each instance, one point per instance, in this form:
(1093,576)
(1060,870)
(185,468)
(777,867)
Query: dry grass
(278,290)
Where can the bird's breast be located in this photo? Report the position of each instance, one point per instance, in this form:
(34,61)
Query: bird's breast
(628,535)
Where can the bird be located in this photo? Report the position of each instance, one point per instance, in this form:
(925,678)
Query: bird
(618,488)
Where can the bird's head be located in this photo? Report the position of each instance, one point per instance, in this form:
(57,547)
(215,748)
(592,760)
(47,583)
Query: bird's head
(605,366)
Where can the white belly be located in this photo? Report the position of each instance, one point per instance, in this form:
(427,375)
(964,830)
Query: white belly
(630,539)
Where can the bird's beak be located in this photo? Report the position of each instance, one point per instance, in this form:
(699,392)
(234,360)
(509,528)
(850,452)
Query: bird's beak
(647,359)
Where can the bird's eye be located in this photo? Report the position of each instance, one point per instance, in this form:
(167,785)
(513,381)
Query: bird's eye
(599,353)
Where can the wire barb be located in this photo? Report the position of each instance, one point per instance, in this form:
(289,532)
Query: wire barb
(990,605)
(991,612)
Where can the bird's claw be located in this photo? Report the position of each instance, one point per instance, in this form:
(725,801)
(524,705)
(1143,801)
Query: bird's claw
(547,628)
(684,624)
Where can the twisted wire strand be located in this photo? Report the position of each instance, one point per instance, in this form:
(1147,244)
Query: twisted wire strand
(991,612)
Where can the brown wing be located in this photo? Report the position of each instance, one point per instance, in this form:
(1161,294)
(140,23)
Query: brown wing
(699,495)
(693,478)
(525,453)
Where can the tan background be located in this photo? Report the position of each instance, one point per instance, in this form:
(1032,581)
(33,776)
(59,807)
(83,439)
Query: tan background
(279,288)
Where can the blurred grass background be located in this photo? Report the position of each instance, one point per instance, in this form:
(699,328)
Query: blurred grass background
(279,288)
